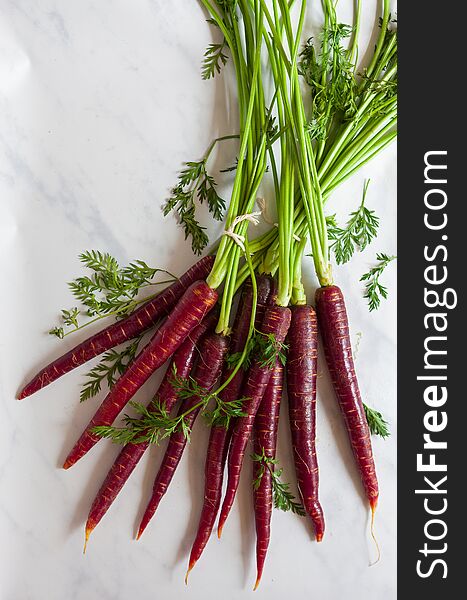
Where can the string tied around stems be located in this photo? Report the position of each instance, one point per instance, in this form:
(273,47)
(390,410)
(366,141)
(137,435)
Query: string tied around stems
(238,238)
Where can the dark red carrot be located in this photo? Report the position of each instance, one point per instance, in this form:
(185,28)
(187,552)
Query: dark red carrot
(265,441)
(138,321)
(212,352)
(216,457)
(197,301)
(275,323)
(131,454)
(334,327)
(219,438)
(302,364)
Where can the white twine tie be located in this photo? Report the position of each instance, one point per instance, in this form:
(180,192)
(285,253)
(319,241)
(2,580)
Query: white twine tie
(237,238)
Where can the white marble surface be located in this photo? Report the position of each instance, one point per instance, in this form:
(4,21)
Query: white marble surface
(100,102)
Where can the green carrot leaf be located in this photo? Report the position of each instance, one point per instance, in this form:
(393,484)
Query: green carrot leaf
(328,70)
(282,496)
(186,388)
(186,430)
(223,412)
(193,230)
(268,349)
(214,59)
(376,422)
(194,182)
(207,193)
(359,231)
(191,173)
(154,424)
(111,366)
(374,290)
(70,317)
(232,359)
(264,348)
(259,476)
(58,332)
(149,426)
(110,290)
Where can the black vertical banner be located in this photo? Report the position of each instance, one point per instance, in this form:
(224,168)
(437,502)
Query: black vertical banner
(432,320)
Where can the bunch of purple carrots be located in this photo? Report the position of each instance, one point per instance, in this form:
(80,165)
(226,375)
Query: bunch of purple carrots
(238,325)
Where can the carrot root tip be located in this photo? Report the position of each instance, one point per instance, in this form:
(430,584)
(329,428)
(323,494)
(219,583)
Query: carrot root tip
(191,564)
(219,531)
(319,537)
(258,580)
(87,533)
(190,567)
(373,509)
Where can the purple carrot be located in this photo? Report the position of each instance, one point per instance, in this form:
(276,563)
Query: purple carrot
(131,454)
(334,328)
(213,349)
(197,301)
(220,436)
(302,365)
(265,442)
(123,330)
(275,323)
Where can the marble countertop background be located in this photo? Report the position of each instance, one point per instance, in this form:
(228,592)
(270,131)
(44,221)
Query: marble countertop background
(100,103)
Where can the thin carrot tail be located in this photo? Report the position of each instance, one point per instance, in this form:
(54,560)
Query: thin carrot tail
(214,474)
(144,523)
(262,544)
(260,560)
(26,391)
(191,564)
(82,446)
(69,462)
(148,514)
(87,532)
(373,504)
